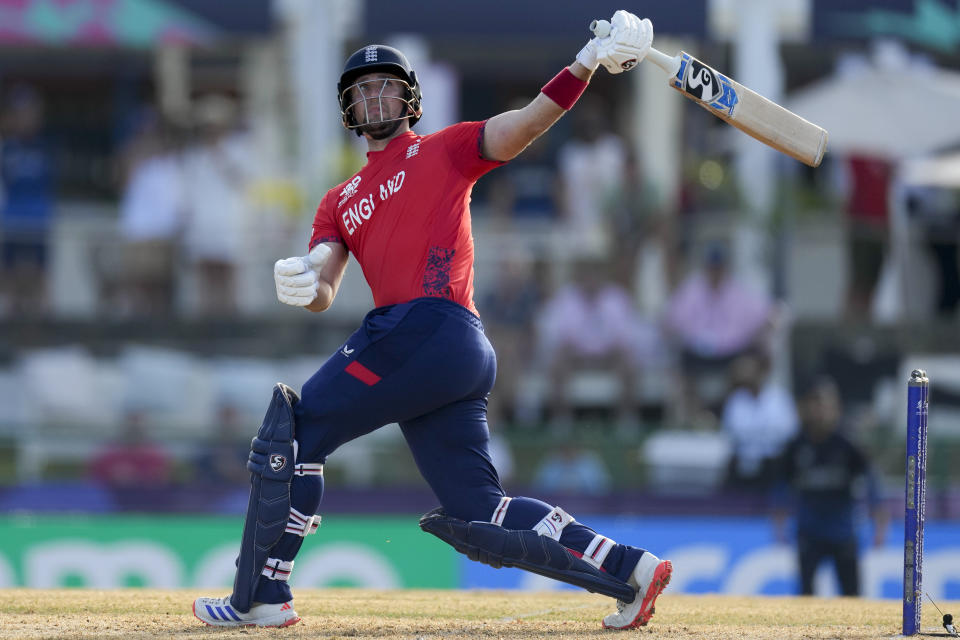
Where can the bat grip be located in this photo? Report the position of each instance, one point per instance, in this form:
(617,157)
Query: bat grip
(670,64)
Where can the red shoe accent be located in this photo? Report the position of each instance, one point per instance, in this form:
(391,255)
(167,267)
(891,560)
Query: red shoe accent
(286,605)
(661,578)
(194,607)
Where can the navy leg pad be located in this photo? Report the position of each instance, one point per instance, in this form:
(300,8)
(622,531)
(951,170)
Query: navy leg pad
(524,549)
(271,466)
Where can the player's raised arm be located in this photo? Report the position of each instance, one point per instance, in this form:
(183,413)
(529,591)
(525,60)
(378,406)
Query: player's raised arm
(626,44)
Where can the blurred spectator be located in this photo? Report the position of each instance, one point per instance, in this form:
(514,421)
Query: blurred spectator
(629,211)
(526,187)
(641,236)
(218,171)
(508,312)
(938,210)
(134,461)
(759,417)
(223,461)
(826,473)
(27,196)
(571,468)
(711,319)
(867,212)
(591,165)
(151,216)
(590,323)
(862,365)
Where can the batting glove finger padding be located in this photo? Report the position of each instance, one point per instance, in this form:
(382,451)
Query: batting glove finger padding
(308,279)
(299,289)
(627,44)
(297,300)
(290,266)
(307,291)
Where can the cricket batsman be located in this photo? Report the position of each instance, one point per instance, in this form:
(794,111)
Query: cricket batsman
(420,358)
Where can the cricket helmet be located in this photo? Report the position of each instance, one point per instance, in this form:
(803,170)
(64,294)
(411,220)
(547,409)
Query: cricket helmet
(373,58)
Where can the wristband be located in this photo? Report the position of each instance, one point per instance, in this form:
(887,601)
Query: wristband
(565,89)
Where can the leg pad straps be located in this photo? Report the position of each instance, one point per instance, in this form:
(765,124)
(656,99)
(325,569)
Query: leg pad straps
(498,547)
(277,569)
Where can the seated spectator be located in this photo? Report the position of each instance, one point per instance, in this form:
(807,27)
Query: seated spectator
(759,417)
(151,215)
(219,169)
(590,323)
(26,203)
(711,319)
(134,461)
(573,469)
(527,188)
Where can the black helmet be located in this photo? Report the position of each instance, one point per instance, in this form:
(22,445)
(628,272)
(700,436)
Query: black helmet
(379,57)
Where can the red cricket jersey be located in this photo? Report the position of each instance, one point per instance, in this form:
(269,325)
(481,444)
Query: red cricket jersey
(405,215)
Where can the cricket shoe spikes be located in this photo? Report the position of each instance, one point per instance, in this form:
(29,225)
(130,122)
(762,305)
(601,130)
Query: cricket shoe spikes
(649,578)
(218,612)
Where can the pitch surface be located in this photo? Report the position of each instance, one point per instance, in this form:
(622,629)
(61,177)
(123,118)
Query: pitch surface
(28,614)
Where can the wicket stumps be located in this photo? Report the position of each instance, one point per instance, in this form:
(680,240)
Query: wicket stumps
(916,490)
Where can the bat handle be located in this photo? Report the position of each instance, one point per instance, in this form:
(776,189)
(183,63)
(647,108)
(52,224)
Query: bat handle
(601,29)
(670,64)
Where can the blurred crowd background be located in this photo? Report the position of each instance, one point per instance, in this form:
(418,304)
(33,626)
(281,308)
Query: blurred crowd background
(659,287)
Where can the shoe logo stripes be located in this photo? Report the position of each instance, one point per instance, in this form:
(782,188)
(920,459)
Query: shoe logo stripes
(223,616)
(218,612)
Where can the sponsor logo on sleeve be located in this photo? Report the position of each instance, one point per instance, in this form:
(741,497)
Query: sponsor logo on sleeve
(350,190)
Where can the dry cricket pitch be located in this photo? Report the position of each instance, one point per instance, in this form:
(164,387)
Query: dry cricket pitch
(27,614)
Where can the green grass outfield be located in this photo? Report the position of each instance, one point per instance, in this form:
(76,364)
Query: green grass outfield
(445,615)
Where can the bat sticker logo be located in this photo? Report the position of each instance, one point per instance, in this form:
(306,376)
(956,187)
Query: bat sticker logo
(702,82)
(706,85)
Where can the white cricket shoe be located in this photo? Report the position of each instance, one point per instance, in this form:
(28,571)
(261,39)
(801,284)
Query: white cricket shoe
(649,578)
(218,612)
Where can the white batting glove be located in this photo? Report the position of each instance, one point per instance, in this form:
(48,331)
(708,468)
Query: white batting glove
(627,43)
(298,278)
(588,55)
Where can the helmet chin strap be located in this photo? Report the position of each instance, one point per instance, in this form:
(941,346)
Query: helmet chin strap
(378,133)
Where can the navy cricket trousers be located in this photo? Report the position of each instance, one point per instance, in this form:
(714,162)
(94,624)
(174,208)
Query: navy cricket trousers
(427,365)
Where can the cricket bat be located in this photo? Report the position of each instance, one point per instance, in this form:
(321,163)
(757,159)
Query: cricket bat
(730,101)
